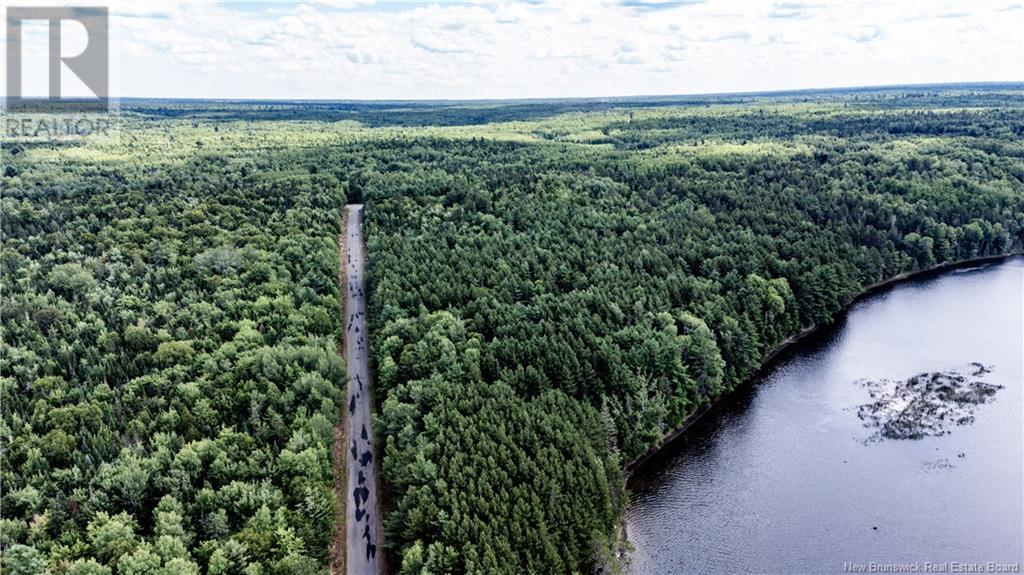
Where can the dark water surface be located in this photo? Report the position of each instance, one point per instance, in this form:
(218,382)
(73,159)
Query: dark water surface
(780,480)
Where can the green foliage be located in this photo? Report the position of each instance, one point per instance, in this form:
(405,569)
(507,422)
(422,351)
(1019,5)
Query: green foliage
(169,364)
(111,537)
(23,560)
(548,297)
(636,269)
(87,567)
(531,477)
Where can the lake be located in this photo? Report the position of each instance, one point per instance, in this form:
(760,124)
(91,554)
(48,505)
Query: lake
(784,477)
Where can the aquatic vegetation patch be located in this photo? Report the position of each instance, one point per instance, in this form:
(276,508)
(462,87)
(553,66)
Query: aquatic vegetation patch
(927,404)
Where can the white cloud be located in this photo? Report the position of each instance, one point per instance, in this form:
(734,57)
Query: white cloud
(345,49)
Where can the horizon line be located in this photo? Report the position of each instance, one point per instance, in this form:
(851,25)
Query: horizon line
(750,93)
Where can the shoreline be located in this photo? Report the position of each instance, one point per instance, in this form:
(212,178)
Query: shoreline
(789,344)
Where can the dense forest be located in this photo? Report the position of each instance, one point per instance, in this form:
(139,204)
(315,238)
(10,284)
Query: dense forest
(171,377)
(553,287)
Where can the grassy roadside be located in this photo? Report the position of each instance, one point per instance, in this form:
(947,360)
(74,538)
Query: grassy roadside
(337,565)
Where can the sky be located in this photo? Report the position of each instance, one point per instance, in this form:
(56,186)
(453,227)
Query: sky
(333,49)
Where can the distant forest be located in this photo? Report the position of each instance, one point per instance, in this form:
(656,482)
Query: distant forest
(554,285)
(377,113)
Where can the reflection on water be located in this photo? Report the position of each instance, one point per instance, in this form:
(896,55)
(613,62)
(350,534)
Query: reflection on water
(781,480)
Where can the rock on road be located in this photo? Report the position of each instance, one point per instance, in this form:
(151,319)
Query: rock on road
(362,512)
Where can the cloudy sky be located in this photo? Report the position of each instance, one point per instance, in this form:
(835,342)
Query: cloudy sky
(335,49)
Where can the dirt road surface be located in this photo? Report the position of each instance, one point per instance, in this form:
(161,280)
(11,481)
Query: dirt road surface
(363,513)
